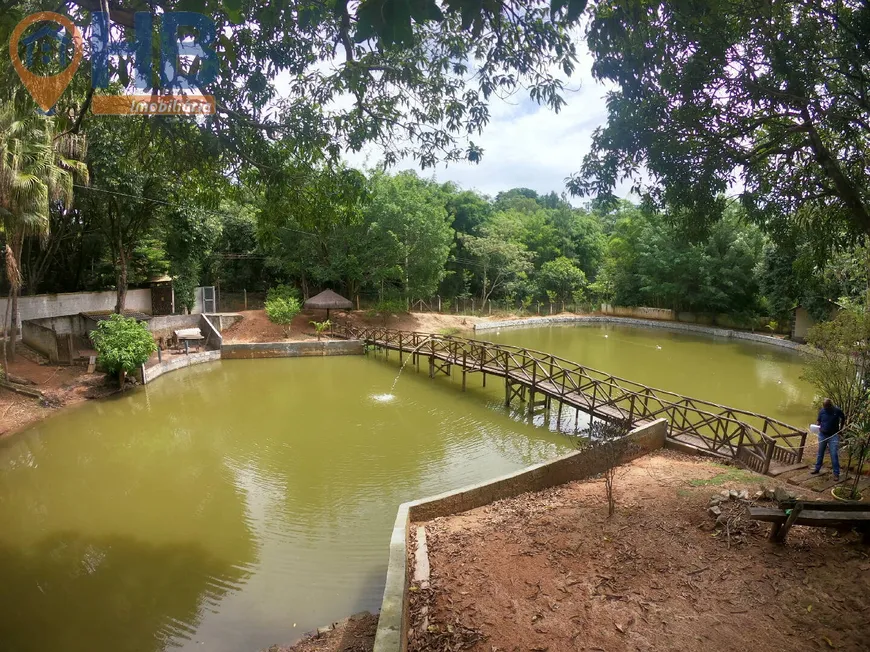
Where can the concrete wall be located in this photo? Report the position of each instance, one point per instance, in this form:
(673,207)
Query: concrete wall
(41,339)
(801,324)
(648,323)
(42,306)
(393,621)
(146,375)
(291,349)
(163,327)
(639,312)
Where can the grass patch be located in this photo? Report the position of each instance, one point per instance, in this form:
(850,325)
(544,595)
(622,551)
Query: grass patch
(449,330)
(730,474)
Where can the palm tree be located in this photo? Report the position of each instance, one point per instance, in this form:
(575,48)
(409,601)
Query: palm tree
(39,165)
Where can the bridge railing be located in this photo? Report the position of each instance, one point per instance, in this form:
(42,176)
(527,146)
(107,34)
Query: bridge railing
(753,438)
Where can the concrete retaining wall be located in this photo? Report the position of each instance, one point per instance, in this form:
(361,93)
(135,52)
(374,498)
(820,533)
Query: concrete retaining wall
(41,339)
(179,362)
(42,306)
(638,312)
(393,621)
(648,323)
(291,349)
(162,327)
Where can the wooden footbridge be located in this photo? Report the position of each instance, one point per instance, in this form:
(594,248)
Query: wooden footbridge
(536,378)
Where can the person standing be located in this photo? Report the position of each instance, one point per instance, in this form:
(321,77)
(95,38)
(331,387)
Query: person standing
(830,420)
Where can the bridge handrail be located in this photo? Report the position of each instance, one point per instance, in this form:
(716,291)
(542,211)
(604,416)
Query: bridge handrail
(783,432)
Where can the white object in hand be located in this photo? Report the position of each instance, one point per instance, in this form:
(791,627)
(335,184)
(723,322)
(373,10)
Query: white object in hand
(814,428)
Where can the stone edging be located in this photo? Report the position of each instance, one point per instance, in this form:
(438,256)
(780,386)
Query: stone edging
(291,349)
(647,323)
(393,619)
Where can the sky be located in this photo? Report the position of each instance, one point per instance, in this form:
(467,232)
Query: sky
(524,144)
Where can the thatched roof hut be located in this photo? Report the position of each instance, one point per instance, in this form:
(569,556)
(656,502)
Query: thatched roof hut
(328,300)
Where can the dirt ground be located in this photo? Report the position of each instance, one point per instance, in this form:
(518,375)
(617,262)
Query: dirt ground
(256,327)
(549,571)
(60,385)
(354,634)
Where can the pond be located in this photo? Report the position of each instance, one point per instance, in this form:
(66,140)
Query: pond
(234,505)
(238,504)
(737,373)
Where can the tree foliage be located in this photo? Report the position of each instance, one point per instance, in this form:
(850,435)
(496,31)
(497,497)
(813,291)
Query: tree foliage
(840,371)
(123,344)
(765,96)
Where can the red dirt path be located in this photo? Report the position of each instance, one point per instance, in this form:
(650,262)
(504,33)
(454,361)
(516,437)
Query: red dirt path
(549,571)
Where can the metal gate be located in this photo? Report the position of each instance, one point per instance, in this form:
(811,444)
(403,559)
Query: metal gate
(209,299)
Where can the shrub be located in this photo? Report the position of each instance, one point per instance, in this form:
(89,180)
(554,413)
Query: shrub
(282,306)
(283,292)
(123,345)
(320,327)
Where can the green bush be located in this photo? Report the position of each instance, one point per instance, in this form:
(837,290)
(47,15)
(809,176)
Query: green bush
(123,345)
(282,306)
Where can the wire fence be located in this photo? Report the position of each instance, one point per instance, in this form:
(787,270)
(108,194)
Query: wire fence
(255,300)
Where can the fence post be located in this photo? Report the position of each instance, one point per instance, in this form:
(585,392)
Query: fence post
(472,305)
(245,294)
(490,306)
(439,303)
(551,307)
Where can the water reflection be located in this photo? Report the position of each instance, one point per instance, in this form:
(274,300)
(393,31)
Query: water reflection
(220,505)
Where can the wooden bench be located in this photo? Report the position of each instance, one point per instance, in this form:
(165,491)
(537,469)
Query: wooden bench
(815,514)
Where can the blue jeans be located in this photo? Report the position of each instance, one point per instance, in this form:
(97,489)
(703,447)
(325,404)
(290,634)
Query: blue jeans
(832,443)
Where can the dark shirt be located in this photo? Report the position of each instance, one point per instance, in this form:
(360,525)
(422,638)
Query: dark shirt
(831,420)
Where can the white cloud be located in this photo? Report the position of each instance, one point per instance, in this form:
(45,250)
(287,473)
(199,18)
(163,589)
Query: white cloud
(526,145)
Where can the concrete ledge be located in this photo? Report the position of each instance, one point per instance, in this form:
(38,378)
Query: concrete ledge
(647,323)
(291,349)
(393,620)
(178,362)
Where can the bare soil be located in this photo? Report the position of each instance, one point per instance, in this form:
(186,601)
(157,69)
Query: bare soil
(354,634)
(550,571)
(256,327)
(61,386)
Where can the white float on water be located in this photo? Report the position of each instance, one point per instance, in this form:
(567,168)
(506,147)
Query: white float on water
(383,398)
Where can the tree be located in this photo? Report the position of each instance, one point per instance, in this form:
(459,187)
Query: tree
(123,345)
(561,280)
(418,73)
(501,260)
(38,166)
(709,95)
(282,306)
(609,443)
(841,369)
(410,213)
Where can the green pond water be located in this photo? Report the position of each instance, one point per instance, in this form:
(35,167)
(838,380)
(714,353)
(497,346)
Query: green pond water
(241,503)
(737,373)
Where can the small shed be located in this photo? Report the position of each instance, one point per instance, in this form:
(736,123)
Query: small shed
(328,300)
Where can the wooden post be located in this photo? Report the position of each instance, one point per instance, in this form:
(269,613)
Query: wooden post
(771,444)
(464,363)
(484,379)
(551,307)
(507,391)
(357,302)
(559,418)
(782,532)
(245,295)
(401,348)
(532,388)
